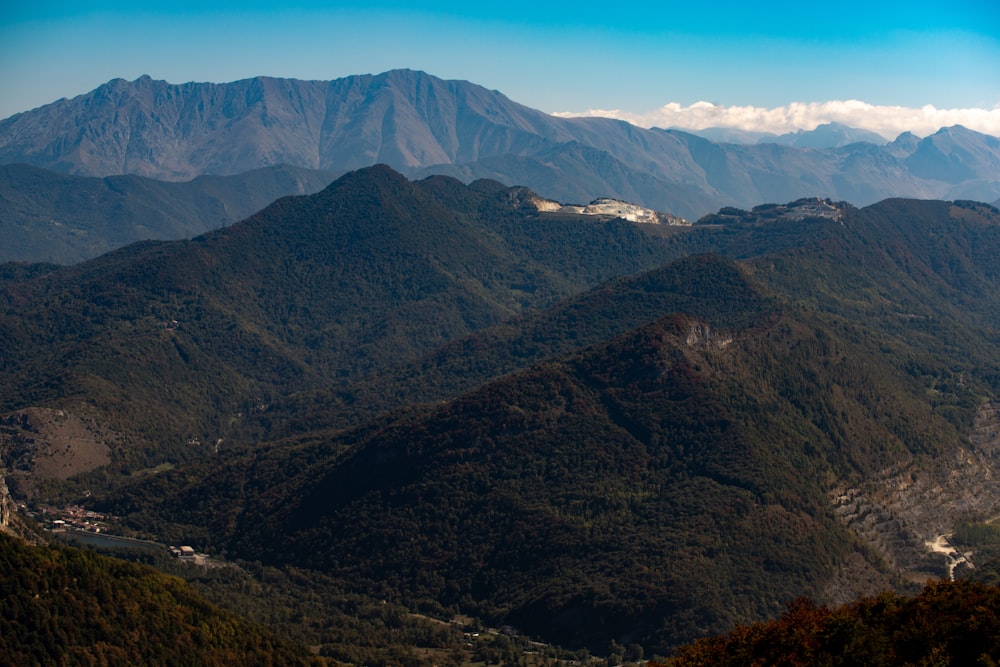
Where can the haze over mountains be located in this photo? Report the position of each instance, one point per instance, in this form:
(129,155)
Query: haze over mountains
(827,135)
(420,124)
(51,217)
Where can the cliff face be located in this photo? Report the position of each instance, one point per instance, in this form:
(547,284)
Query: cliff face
(11,522)
(7,506)
(908,514)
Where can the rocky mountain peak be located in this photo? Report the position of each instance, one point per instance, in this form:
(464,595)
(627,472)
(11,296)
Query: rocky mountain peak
(421,124)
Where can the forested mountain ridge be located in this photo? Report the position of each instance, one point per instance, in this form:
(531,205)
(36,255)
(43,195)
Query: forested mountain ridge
(598,497)
(423,125)
(73,607)
(192,340)
(438,396)
(671,477)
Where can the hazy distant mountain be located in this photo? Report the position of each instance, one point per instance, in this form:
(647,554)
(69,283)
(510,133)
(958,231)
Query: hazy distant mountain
(957,156)
(420,124)
(152,128)
(828,135)
(731,135)
(51,217)
(903,145)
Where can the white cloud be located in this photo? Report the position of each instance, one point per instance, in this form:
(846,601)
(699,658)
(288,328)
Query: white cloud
(889,121)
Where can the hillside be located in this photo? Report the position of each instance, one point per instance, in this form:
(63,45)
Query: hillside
(73,607)
(422,125)
(192,341)
(948,623)
(728,451)
(438,395)
(62,219)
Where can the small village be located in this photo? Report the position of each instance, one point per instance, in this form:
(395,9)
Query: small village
(72,517)
(75,520)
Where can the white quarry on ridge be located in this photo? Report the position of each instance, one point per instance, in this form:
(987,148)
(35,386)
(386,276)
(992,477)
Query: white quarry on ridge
(610,208)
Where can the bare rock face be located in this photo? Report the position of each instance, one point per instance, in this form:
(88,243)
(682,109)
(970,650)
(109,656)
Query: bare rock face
(8,509)
(12,522)
(906,515)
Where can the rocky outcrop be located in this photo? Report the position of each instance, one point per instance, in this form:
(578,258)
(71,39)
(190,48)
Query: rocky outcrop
(11,520)
(8,509)
(906,514)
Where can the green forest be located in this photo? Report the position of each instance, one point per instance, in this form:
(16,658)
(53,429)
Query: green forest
(65,606)
(424,423)
(948,623)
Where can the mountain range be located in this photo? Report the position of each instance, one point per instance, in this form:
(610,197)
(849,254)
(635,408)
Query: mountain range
(423,125)
(439,395)
(826,135)
(599,488)
(313,291)
(344,336)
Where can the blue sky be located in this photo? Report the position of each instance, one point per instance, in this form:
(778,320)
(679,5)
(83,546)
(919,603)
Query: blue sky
(624,60)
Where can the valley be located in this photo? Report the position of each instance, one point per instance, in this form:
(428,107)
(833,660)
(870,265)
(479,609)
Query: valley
(614,435)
